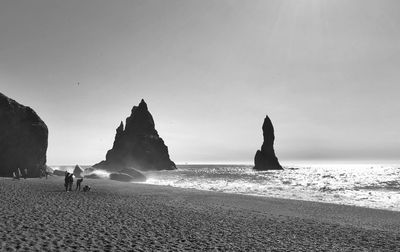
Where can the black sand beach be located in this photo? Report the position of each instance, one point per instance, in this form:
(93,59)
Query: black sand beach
(38,215)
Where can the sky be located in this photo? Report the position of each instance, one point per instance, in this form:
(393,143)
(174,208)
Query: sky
(325,71)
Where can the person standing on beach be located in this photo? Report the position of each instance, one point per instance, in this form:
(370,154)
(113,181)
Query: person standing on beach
(70,181)
(25,173)
(66,181)
(19,174)
(78,184)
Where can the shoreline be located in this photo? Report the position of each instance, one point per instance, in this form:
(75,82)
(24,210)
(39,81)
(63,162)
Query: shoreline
(338,185)
(121,216)
(278,198)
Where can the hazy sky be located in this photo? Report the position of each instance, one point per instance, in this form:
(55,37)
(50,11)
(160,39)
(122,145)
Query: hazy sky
(327,73)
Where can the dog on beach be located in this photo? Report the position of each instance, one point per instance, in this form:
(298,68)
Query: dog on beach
(86,188)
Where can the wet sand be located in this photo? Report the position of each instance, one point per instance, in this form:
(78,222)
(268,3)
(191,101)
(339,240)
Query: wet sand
(38,215)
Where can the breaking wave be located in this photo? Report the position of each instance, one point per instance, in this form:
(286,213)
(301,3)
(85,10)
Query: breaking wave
(374,186)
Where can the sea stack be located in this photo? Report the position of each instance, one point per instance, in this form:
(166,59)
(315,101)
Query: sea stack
(23,141)
(137,146)
(77,171)
(265,158)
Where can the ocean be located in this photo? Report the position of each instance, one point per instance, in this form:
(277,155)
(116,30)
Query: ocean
(365,185)
(373,186)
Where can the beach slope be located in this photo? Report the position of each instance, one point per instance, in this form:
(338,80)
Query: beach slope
(38,215)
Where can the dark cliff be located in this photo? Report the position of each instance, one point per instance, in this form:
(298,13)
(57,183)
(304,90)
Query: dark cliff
(23,139)
(265,159)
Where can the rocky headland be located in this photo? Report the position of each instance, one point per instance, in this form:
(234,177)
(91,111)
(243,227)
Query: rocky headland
(23,139)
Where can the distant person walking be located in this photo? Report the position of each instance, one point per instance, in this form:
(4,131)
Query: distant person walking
(78,184)
(25,173)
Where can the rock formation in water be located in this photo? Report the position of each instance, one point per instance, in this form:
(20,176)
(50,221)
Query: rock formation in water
(77,171)
(138,146)
(265,158)
(23,139)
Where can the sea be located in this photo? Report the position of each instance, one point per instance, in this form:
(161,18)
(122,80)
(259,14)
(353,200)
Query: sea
(365,185)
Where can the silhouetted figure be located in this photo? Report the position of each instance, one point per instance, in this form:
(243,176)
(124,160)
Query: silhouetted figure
(19,174)
(25,173)
(42,170)
(66,181)
(70,181)
(78,184)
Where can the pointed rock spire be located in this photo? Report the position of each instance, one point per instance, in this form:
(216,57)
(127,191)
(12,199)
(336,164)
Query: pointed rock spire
(120,127)
(119,131)
(265,159)
(78,171)
(118,134)
(137,146)
(143,104)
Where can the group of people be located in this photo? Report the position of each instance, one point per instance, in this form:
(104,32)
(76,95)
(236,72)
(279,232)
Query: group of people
(17,174)
(69,181)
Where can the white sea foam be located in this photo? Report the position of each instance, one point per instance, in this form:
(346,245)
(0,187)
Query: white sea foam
(374,186)
(100,173)
(367,185)
(86,172)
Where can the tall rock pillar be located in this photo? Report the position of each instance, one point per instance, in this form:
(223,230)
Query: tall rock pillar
(265,158)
